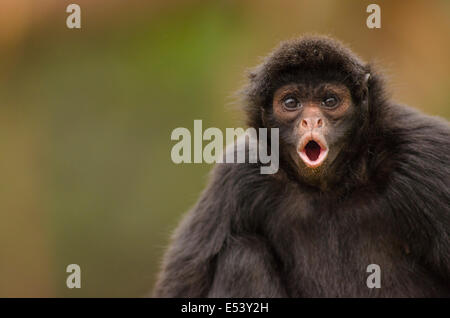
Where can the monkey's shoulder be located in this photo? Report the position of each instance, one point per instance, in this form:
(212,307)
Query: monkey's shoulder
(418,140)
(418,148)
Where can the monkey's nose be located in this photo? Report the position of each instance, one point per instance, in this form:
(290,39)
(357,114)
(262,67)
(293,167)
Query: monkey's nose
(311,123)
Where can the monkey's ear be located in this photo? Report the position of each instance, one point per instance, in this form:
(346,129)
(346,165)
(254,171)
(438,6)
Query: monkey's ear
(263,121)
(365,86)
(366,78)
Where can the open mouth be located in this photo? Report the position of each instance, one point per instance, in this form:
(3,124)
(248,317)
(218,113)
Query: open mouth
(313,152)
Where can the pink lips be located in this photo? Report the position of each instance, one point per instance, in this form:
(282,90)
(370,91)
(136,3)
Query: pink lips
(313,150)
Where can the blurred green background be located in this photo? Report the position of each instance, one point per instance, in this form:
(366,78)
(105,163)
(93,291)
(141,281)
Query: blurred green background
(86,117)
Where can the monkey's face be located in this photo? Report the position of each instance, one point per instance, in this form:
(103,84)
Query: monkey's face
(315,121)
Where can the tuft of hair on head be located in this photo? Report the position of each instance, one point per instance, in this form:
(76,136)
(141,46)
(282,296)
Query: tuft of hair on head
(304,57)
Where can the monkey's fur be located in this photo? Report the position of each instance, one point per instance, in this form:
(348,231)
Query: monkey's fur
(386,201)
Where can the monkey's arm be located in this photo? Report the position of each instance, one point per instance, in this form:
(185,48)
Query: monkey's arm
(432,176)
(204,259)
(188,266)
(424,181)
(246,268)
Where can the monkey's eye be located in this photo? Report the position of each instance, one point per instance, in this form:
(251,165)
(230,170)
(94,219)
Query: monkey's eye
(291,103)
(330,102)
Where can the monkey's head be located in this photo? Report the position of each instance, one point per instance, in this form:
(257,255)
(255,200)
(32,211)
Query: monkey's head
(316,92)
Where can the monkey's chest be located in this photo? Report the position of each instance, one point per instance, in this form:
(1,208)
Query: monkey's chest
(329,261)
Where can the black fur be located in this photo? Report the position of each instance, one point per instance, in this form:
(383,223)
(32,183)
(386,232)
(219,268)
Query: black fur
(254,235)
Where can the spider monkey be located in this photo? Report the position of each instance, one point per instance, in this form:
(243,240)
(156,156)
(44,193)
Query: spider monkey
(362,180)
